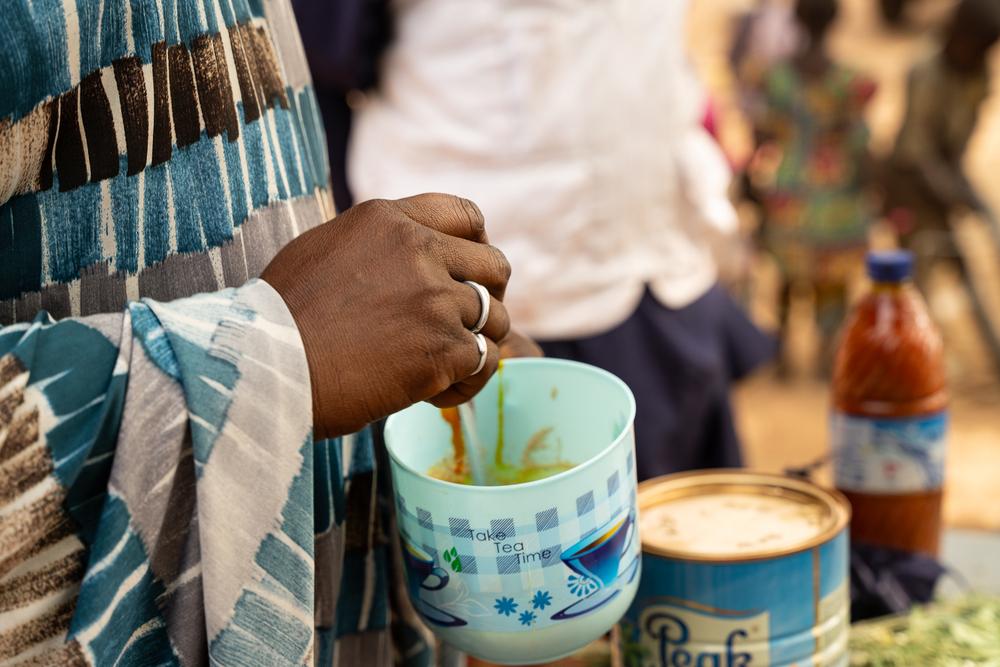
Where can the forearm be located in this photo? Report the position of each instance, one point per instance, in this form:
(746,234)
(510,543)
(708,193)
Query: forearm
(149,436)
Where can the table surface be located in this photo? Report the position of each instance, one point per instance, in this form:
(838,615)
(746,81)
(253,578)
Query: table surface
(974,555)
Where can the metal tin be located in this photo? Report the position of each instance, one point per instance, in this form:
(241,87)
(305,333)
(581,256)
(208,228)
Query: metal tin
(769,591)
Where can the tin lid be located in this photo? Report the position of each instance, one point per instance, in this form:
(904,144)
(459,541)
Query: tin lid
(727,516)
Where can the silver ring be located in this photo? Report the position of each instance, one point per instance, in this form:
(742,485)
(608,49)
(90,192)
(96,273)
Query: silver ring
(484,305)
(483,353)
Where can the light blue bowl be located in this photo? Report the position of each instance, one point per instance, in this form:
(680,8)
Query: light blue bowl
(530,572)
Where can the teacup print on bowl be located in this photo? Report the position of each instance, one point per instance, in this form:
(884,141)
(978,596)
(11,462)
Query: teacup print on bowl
(596,560)
(528,572)
(422,573)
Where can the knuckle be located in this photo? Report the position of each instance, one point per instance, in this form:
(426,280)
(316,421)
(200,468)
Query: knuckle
(372,213)
(501,265)
(472,215)
(372,206)
(441,311)
(445,343)
(477,222)
(411,236)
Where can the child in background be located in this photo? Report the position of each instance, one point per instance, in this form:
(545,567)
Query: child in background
(924,180)
(762,37)
(810,172)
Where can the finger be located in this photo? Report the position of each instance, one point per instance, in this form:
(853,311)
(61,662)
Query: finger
(463,391)
(497,324)
(480,262)
(447,214)
(519,345)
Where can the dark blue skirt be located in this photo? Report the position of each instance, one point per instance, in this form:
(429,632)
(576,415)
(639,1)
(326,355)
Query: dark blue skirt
(680,364)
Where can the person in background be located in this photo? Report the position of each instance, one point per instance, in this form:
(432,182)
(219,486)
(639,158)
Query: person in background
(923,179)
(186,474)
(344,41)
(894,12)
(810,172)
(762,37)
(576,127)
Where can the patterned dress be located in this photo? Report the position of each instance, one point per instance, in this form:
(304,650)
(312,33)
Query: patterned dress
(161,498)
(810,173)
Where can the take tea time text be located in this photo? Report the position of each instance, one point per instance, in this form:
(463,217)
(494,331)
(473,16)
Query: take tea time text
(499,539)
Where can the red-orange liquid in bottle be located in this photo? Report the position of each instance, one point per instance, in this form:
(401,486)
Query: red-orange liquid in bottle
(889,419)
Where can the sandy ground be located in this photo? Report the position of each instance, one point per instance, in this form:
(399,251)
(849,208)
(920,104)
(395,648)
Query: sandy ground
(785,423)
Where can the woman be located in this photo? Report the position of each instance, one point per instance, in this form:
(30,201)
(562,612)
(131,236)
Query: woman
(166,492)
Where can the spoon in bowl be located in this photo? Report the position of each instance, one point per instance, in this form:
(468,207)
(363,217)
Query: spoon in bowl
(473,449)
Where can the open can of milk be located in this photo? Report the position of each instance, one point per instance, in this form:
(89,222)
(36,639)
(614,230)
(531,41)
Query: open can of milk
(740,569)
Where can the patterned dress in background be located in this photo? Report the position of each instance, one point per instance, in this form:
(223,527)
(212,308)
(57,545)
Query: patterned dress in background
(161,499)
(815,206)
(811,178)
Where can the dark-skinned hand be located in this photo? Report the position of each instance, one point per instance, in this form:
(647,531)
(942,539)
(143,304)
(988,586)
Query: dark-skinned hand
(517,345)
(379,302)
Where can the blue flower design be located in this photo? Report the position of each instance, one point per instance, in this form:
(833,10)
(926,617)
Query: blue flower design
(541,600)
(526,617)
(505,606)
(581,586)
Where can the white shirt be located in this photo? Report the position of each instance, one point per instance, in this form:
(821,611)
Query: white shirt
(575,126)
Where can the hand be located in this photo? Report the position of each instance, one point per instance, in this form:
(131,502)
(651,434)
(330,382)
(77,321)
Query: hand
(383,315)
(518,345)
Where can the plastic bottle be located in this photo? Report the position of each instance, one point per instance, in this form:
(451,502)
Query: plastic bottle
(890,420)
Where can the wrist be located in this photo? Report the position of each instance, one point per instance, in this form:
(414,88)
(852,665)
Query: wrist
(309,340)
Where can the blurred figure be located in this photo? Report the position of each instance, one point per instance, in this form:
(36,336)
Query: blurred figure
(577,127)
(344,41)
(763,37)
(809,173)
(894,12)
(924,181)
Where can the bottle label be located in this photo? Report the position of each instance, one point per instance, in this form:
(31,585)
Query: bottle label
(889,455)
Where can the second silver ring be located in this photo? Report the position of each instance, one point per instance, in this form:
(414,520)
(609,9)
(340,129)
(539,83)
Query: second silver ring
(484,305)
(483,353)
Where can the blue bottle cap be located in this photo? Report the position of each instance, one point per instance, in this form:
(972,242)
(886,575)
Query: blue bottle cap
(890,266)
